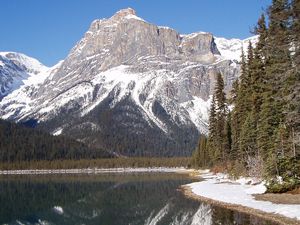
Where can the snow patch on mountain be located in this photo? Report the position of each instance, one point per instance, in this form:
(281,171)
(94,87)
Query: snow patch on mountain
(232,48)
(30,63)
(134,17)
(22,99)
(198,110)
(17,69)
(57,132)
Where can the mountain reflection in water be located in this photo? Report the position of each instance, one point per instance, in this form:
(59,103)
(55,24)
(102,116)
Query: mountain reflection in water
(108,199)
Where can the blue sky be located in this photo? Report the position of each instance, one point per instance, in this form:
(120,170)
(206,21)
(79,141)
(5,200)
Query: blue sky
(48,29)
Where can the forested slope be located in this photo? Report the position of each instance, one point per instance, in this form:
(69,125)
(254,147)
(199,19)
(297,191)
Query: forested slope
(20,143)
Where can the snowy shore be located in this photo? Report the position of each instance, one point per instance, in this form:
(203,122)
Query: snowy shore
(96,171)
(240,192)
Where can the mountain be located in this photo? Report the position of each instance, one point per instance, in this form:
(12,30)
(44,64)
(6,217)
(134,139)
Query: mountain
(131,87)
(231,48)
(17,69)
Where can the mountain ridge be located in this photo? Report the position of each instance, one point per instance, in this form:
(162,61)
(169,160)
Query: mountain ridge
(126,79)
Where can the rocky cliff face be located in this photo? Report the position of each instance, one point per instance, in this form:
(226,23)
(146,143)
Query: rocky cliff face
(129,86)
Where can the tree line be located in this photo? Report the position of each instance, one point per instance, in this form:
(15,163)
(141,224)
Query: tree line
(118,162)
(22,147)
(20,143)
(256,131)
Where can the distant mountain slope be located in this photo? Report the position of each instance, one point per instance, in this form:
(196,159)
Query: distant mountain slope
(231,48)
(17,69)
(20,143)
(131,87)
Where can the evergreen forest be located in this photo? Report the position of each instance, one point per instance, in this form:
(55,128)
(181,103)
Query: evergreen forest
(20,143)
(255,130)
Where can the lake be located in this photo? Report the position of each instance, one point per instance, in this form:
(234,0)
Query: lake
(108,199)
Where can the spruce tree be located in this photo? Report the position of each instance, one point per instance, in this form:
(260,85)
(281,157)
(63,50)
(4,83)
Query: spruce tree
(248,138)
(196,155)
(212,136)
(238,110)
(234,126)
(234,92)
(248,145)
(292,108)
(262,31)
(228,138)
(221,114)
(243,103)
(256,89)
(278,65)
(203,154)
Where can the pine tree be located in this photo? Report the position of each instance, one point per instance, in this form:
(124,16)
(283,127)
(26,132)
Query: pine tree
(248,145)
(292,108)
(221,114)
(234,119)
(256,71)
(278,66)
(261,31)
(243,104)
(257,80)
(228,139)
(212,136)
(203,154)
(196,155)
(238,110)
(234,92)
(248,138)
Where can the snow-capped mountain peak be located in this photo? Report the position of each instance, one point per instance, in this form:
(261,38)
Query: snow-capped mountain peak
(30,63)
(130,86)
(232,48)
(17,69)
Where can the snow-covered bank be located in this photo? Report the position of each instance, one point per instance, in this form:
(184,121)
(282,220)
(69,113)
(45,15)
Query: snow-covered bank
(97,170)
(240,192)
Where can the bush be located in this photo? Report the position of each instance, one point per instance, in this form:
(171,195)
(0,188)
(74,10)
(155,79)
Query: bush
(237,169)
(289,175)
(278,186)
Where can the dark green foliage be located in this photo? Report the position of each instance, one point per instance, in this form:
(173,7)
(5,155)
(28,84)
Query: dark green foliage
(221,115)
(215,149)
(241,108)
(234,92)
(248,145)
(124,130)
(120,162)
(200,157)
(20,143)
(261,30)
(292,108)
(262,133)
(288,169)
(228,137)
(235,121)
(211,142)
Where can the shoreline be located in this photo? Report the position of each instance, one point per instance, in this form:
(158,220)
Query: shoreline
(96,171)
(187,191)
(270,216)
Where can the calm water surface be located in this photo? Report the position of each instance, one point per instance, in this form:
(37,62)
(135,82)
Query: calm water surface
(108,199)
